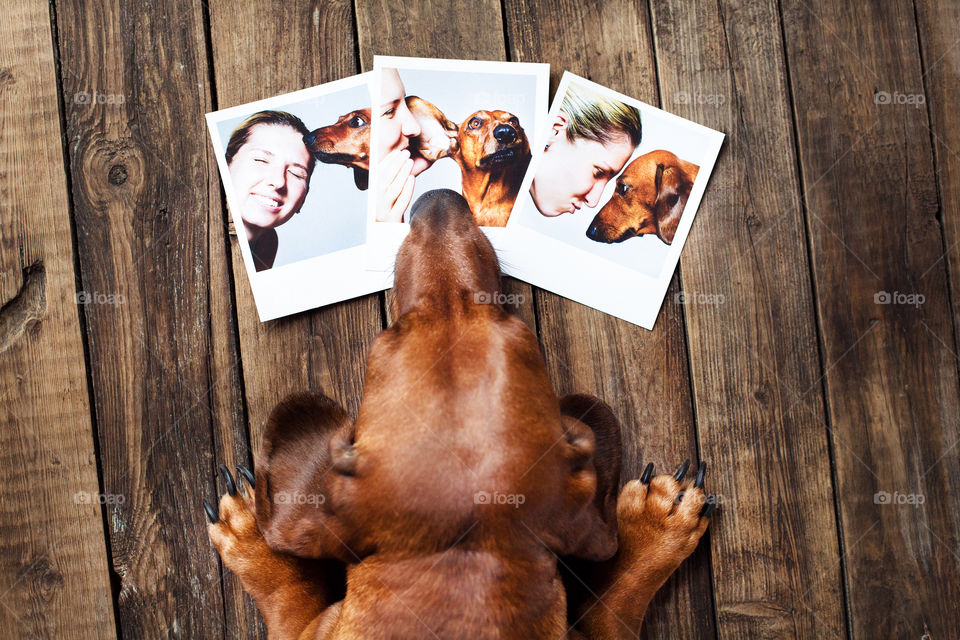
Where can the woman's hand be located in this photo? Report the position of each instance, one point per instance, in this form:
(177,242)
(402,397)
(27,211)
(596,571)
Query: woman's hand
(395,185)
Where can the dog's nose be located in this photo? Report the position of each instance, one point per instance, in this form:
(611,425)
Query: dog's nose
(592,232)
(504,133)
(437,205)
(309,139)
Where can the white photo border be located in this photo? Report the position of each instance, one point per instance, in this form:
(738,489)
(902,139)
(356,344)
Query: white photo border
(296,287)
(384,238)
(587,278)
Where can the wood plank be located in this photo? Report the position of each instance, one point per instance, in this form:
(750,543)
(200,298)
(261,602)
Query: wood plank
(163,363)
(891,381)
(54,580)
(753,360)
(941,60)
(641,374)
(384,28)
(323,349)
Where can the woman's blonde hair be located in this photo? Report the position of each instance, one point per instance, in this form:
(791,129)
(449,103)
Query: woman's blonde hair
(597,117)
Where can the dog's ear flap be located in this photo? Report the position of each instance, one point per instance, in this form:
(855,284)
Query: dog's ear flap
(361,177)
(593,436)
(305,457)
(672,196)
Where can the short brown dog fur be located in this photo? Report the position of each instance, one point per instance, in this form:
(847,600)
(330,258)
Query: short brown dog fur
(346,142)
(449,500)
(493,156)
(650,196)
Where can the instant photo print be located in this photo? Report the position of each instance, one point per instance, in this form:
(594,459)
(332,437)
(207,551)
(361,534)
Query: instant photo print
(454,124)
(608,200)
(295,170)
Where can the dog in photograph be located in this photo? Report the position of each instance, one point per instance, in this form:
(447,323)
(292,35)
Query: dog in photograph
(438,135)
(444,508)
(650,196)
(493,156)
(347,141)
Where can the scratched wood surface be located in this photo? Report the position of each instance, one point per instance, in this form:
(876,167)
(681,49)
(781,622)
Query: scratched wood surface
(868,174)
(54,579)
(810,398)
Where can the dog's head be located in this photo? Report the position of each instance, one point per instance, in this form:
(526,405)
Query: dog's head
(346,142)
(460,440)
(650,196)
(492,140)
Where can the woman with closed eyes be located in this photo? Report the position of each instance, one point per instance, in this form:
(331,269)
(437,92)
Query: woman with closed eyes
(270,168)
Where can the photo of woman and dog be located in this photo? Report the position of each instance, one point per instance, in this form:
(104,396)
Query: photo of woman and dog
(477,118)
(295,172)
(612,190)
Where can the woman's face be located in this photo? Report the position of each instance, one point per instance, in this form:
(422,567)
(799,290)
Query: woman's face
(269,174)
(573,174)
(396,124)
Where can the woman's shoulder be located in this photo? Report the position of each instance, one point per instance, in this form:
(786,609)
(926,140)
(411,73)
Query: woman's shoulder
(264,250)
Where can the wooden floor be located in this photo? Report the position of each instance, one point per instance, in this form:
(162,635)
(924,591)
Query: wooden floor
(814,364)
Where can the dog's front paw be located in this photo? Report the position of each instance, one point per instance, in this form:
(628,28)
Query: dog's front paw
(662,519)
(234,532)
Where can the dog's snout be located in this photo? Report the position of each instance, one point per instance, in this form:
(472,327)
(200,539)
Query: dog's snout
(504,133)
(309,139)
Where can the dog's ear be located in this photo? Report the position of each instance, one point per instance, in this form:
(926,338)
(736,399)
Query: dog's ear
(361,177)
(673,189)
(593,439)
(305,459)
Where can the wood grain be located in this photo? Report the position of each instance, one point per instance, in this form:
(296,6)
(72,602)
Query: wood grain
(160,360)
(641,374)
(322,349)
(754,359)
(54,580)
(941,81)
(891,375)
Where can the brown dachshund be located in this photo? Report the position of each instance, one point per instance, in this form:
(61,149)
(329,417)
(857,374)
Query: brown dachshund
(347,141)
(438,136)
(493,156)
(449,500)
(649,198)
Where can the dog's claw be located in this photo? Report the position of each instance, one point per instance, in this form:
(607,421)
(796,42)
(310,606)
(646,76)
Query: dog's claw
(701,471)
(211,514)
(682,471)
(231,486)
(709,507)
(647,473)
(246,474)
